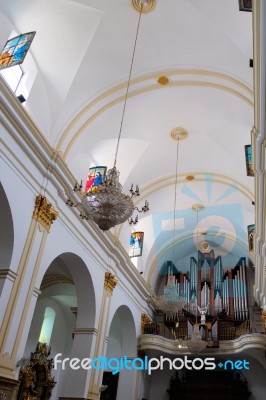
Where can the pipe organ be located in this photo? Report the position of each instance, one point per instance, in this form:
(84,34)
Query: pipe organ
(208,285)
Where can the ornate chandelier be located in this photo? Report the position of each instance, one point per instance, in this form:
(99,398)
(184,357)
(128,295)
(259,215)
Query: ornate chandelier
(195,344)
(171,301)
(107,205)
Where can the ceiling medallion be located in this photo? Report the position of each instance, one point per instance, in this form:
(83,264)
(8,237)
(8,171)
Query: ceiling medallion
(143,5)
(179,133)
(205,247)
(163,80)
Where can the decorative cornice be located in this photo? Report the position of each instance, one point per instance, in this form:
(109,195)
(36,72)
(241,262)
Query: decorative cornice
(36,292)
(109,282)
(8,274)
(74,310)
(44,213)
(85,331)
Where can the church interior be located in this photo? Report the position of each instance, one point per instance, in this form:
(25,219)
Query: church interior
(132,199)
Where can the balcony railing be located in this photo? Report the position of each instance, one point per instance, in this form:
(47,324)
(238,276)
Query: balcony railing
(226,330)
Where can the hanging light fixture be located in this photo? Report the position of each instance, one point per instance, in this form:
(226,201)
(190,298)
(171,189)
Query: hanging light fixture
(108,206)
(195,344)
(173,298)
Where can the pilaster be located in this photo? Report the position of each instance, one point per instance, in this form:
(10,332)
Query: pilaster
(100,349)
(23,290)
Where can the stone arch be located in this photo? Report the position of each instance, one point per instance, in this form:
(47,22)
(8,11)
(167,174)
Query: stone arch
(6,231)
(122,334)
(122,343)
(72,269)
(67,288)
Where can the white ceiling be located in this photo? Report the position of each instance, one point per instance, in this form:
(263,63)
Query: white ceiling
(82,52)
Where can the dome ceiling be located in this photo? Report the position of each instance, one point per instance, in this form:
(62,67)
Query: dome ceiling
(201,51)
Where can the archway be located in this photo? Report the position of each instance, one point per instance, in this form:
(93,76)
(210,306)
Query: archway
(6,251)
(64,309)
(122,343)
(6,231)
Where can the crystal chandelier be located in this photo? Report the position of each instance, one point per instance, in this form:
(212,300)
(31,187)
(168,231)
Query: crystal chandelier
(108,206)
(171,301)
(173,298)
(195,344)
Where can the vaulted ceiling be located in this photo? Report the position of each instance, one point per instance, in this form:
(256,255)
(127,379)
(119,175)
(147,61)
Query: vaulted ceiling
(82,53)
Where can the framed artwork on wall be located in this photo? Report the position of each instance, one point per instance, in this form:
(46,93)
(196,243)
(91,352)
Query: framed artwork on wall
(248,156)
(245,5)
(15,50)
(251,234)
(95,178)
(136,244)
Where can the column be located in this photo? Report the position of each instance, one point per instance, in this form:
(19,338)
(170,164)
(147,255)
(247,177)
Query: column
(101,343)
(22,299)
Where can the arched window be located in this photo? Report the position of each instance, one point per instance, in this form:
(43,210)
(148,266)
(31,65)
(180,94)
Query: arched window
(47,326)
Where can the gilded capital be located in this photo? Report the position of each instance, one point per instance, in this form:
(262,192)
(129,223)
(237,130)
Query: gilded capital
(44,213)
(145,319)
(109,282)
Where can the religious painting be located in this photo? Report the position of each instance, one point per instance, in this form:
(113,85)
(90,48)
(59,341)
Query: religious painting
(251,237)
(136,244)
(15,50)
(248,155)
(95,178)
(245,5)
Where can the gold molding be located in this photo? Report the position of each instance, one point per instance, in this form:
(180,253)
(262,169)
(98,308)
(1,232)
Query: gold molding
(109,282)
(44,213)
(141,79)
(147,89)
